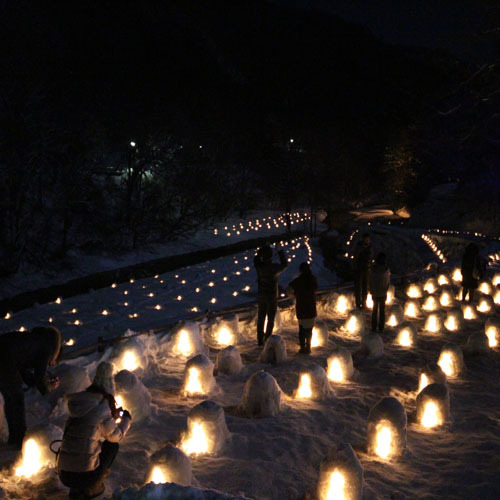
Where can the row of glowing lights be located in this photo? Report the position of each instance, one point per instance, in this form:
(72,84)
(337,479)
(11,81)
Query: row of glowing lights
(459,233)
(439,254)
(259,224)
(349,241)
(294,245)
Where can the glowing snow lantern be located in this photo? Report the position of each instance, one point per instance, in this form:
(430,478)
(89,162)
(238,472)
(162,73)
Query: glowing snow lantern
(433,323)
(485,287)
(129,361)
(430,304)
(186,340)
(433,405)
(430,374)
(199,376)
(492,330)
(70,342)
(355,322)
(456,275)
(446,298)
(443,280)
(31,461)
(340,366)
(105,312)
(412,309)
(369,301)
(313,384)
(430,285)
(304,389)
(469,312)
(407,335)
(319,335)
(414,291)
(496,298)
(496,279)
(390,295)
(341,475)
(386,429)
(224,336)
(451,323)
(342,304)
(485,305)
(206,430)
(451,361)
(170,465)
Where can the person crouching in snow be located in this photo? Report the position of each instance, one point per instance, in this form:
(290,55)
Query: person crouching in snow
(24,358)
(91,435)
(380,279)
(304,289)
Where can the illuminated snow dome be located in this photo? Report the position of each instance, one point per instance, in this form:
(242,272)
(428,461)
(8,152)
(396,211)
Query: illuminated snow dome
(485,287)
(486,305)
(412,308)
(274,351)
(355,322)
(373,345)
(313,384)
(431,286)
(492,331)
(430,304)
(261,396)
(170,465)
(340,366)
(206,432)
(341,304)
(414,291)
(185,340)
(443,280)
(36,452)
(229,361)
(456,275)
(407,335)
(469,311)
(391,293)
(454,320)
(319,334)
(223,332)
(451,361)
(433,405)
(133,395)
(395,315)
(131,355)
(434,323)
(386,429)
(199,377)
(430,374)
(340,474)
(447,297)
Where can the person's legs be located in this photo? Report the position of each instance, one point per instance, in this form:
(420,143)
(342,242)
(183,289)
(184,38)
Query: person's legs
(364,289)
(374,313)
(272,305)
(308,335)
(302,339)
(14,413)
(381,313)
(261,318)
(357,290)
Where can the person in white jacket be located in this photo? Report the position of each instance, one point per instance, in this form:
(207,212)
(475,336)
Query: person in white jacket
(91,435)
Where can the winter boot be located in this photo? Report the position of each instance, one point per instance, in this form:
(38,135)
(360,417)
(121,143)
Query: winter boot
(308,336)
(302,341)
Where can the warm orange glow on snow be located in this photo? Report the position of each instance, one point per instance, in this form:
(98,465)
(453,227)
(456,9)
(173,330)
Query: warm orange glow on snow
(335,371)
(196,442)
(342,304)
(384,440)
(193,382)
(432,415)
(336,486)
(157,476)
(430,304)
(304,391)
(224,336)
(31,460)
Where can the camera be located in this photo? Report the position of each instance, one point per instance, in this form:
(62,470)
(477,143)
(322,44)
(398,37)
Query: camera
(120,413)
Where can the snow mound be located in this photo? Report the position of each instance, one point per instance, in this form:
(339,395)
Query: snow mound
(386,429)
(407,334)
(170,491)
(340,474)
(223,332)
(372,345)
(340,365)
(313,384)
(170,465)
(261,396)
(355,323)
(451,360)
(395,315)
(439,396)
(274,350)
(319,334)
(199,376)
(431,374)
(229,361)
(131,355)
(135,396)
(185,340)
(477,343)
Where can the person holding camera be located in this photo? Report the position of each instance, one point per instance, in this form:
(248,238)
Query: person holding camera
(91,435)
(25,358)
(267,295)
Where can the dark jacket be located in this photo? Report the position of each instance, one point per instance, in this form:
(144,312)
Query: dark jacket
(267,275)
(363,256)
(24,357)
(380,279)
(304,288)
(471,270)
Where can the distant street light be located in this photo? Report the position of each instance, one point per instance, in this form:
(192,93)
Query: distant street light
(132,143)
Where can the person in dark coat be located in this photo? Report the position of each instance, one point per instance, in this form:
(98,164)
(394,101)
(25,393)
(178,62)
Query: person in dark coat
(471,271)
(267,295)
(380,279)
(304,288)
(363,257)
(25,357)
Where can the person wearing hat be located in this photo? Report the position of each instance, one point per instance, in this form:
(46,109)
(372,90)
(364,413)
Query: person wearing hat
(91,435)
(267,294)
(24,358)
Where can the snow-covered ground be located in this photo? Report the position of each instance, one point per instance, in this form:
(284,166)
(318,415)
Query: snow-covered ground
(279,457)
(257,224)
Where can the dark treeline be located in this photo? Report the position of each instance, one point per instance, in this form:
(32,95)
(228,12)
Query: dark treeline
(80,80)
